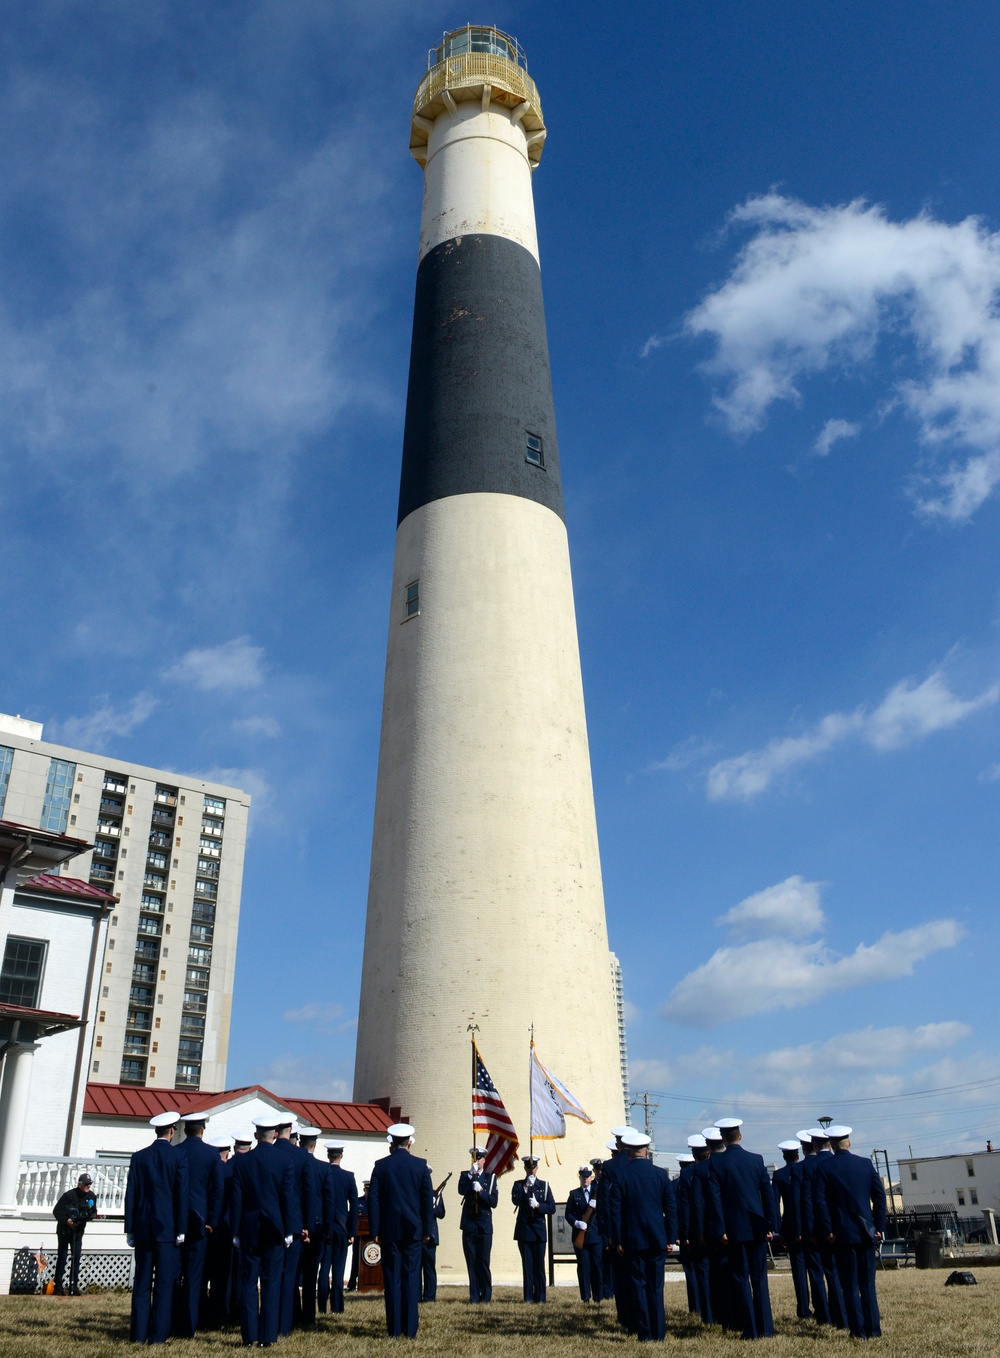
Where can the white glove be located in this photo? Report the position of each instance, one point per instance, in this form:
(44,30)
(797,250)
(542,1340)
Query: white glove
(477,1186)
(530,1180)
(180,1239)
(288,1240)
(581,1225)
(130,1241)
(533,1202)
(236,1242)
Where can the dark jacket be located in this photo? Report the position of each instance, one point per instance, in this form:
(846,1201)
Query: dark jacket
(742,1203)
(320,1197)
(643,1211)
(849,1199)
(400,1198)
(437,1215)
(682,1195)
(530,1223)
(204,1169)
(784,1183)
(806,1198)
(576,1209)
(699,1200)
(156,1196)
(263,1204)
(343,1201)
(302,1209)
(78,1205)
(477,1208)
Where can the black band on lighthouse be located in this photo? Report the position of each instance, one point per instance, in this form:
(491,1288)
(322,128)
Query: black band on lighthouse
(479,378)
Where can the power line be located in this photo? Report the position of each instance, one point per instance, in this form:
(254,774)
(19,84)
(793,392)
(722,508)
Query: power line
(703,1099)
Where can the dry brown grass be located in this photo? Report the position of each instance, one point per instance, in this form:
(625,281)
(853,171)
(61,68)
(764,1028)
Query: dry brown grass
(921,1318)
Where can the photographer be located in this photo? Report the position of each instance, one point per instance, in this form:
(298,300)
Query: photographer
(72,1212)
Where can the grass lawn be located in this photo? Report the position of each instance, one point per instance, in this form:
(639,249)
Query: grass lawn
(920,1316)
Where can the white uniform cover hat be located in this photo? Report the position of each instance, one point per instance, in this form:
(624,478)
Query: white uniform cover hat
(729,1124)
(838,1132)
(788,1145)
(697,1142)
(167,1119)
(711,1134)
(398,1130)
(633,1138)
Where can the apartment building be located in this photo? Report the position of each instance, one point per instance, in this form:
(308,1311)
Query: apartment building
(170,847)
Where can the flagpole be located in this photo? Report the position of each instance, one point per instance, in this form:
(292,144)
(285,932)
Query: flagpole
(472,1030)
(531,1095)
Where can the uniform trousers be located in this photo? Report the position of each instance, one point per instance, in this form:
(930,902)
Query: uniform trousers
(856,1273)
(428,1271)
(193,1256)
(720,1287)
(700,1267)
(477,1249)
(259,1317)
(156,1267)
(608,1289)
(590,1270)
(70,1245)
(311,1258)
(834,1296)
(817,1283)
(532,1269)
(643,1274)
(289,1286)
(401,1275)
(219,1268)
(800,1281)
(623,1293)
(750,1296)
(691,1280)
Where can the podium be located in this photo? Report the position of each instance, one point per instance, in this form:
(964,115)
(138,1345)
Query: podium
(367,1262)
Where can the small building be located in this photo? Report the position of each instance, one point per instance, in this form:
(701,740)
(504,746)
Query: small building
(964,1184)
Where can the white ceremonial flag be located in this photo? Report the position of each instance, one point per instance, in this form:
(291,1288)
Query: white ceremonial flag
(551,1101)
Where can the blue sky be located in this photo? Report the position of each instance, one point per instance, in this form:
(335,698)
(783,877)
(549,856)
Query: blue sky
(771,264)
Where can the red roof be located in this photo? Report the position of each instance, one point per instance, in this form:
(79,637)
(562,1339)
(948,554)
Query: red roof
(45,836)
(67,886)
(139,1101)
(49,1019)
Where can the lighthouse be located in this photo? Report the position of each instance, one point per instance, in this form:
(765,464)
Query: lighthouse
(485,904)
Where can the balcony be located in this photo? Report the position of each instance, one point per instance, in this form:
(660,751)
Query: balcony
(208,867)
(207,890)
(165,797)
(156,860)
(141,994)
(43,1182)
(111,806)
(142,972)
(163,819)
(188,1077)
(196,978)
(139,1021)
(202,934)
(192,1025)
(154,880)
(108,827)
(150,902)
(103,849)
(203,911)
(158,840)
(114,784)
(136,1046)
(206,847)
(101,872)
(213,828)
(194,1003)
(153,927)
(147,950)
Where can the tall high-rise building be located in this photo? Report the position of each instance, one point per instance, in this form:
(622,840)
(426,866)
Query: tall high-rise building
(485,906)
(171,848)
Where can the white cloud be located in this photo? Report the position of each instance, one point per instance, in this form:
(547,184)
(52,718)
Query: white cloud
(687,752)
(908,712)
(791,909)
(94,731)
(654,342)
(832,432)
(814,289)
(257,726)
(235,664)
(302,1077)
(776,973)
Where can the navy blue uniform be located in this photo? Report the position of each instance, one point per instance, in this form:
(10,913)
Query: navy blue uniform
(315,1248)
(302,1211)
(590,1257)
(343,1228)
(477,1230)
(743,1213)
(220,1264)
(156,1209)
(531,1232)
(428,1255)
(786,1192)
(682,1193)
(204,1209)
(609,1173)
(822,1261)
(708,1256)
(849,1204)
(643,1223)
(401,1217)
(261,1212)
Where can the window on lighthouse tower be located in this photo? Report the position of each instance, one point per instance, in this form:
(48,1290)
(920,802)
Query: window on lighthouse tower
(412,605)
(534,452)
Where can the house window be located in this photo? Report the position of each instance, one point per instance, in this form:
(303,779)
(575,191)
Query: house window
(412,605)
(970,1168)
(96,1067)
(974,1197)
(533,451)
(21,974)
(913,1171)
(961,1197)
(133,1071)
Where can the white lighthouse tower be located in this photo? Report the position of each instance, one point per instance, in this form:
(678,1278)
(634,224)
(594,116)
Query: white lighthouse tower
(485,901)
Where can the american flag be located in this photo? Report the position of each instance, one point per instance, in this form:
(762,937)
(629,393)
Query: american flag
(489,1115)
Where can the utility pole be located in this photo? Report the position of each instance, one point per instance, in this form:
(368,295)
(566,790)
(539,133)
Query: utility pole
(649,1108)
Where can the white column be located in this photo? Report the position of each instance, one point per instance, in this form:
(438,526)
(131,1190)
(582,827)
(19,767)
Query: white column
(13,1116)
